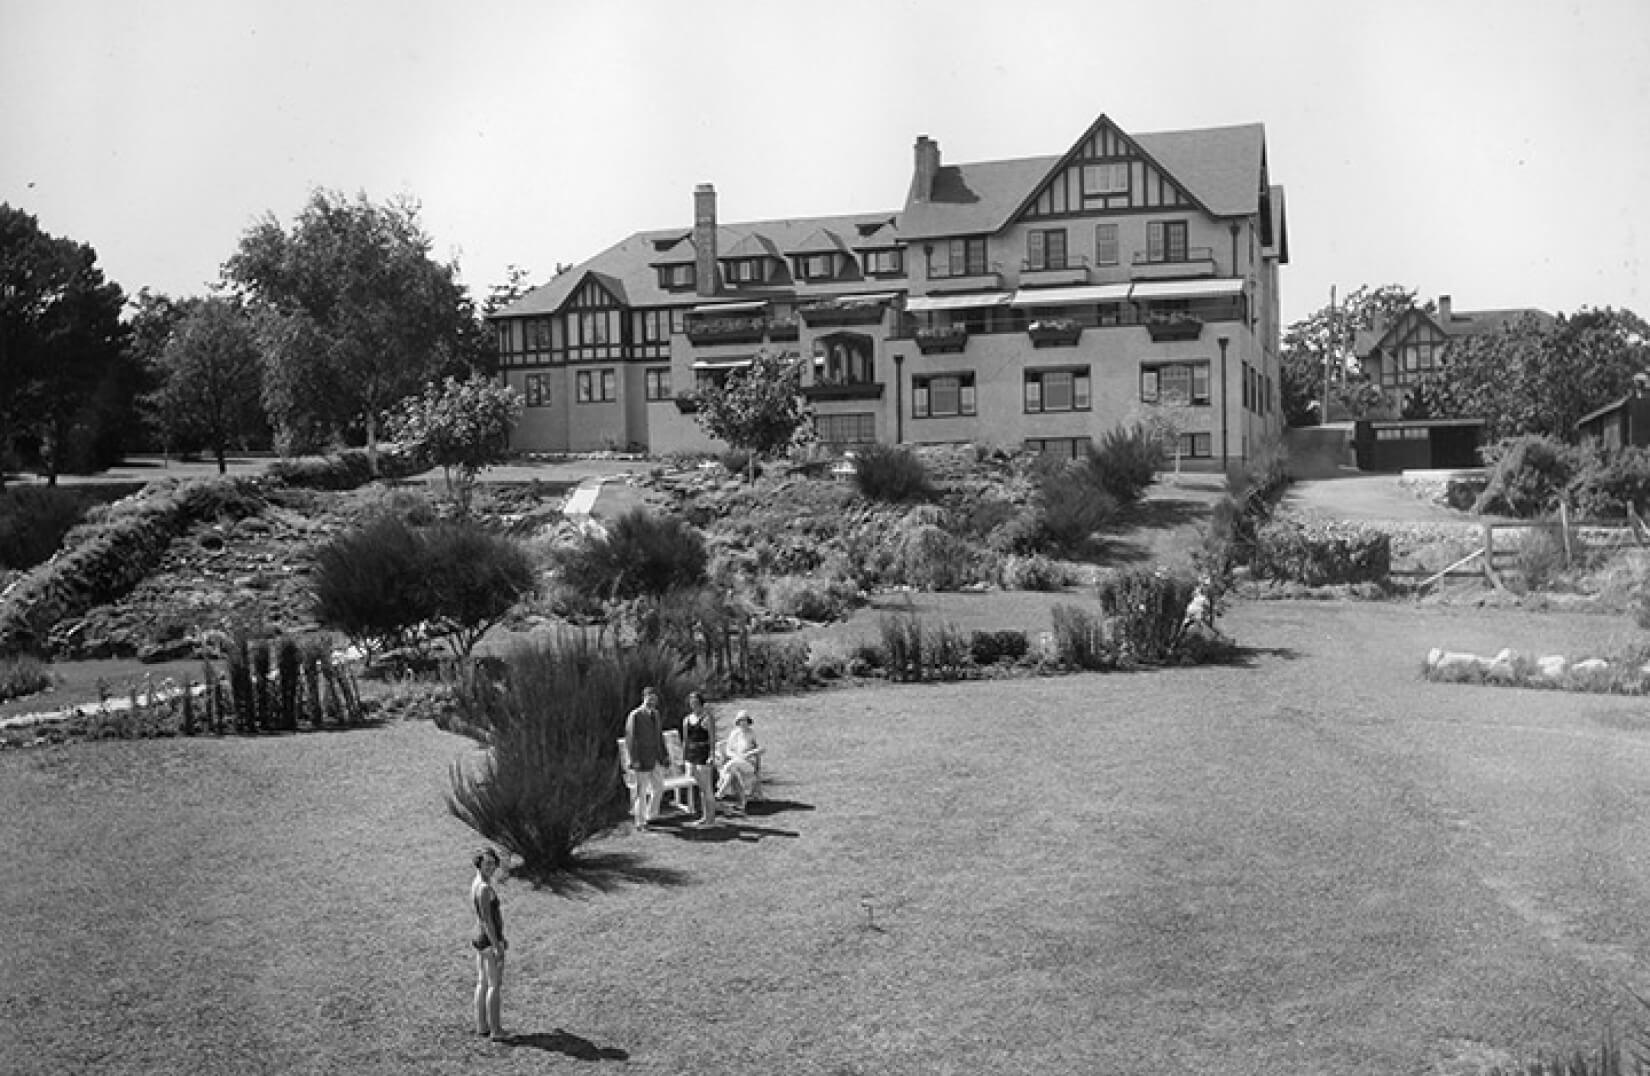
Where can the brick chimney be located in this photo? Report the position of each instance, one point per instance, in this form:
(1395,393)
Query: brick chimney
(705,275)
(927,153)
(1444,311)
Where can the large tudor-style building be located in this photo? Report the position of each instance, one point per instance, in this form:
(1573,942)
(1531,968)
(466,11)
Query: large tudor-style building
(1039,302)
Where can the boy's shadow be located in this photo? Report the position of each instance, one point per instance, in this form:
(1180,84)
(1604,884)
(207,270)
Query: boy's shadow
(565,1042)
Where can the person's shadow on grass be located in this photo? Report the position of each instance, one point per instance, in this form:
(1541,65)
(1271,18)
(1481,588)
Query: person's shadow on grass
(565,1042)
(733,827)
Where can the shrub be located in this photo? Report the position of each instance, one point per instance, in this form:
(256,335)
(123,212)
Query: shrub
(828,660)
(885,473)
(991,647)
(1319,554)
(932,558)
(473,577)
(902,646)
(771,667)
(33,521)
(1606,485)
(1252,495)
(23,675)
(552,720)
(813,599)
(1071,505)
(1126,462)
(741,462)
(342,471)
(370,585)
(1528,476)
(1145,613)
(1542,556)
(1034,573)
(1079,639)
(640,553)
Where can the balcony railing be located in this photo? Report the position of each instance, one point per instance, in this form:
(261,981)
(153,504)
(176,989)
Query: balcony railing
(1199,261)
(1174,327)
(843,390)
(932,339)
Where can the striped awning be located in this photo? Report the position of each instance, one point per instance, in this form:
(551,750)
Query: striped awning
(1083,293)
(923,304)
(1187,289)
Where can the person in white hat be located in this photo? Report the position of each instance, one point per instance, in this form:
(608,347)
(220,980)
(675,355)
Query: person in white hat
(742,768)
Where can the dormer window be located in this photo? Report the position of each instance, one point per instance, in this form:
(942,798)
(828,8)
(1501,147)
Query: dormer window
(748,270)
(677,277)
(818,266)
(885,262)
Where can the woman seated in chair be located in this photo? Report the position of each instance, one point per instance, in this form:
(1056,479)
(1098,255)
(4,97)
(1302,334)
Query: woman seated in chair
(741,764)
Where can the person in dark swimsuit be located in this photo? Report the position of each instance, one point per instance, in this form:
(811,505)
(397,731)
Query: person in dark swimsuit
(489,945)
(698,746)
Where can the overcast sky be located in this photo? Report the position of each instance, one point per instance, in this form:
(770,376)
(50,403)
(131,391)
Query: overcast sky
(1496,152)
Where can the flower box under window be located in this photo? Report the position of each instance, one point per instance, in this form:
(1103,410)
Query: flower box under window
(1054,332)
(937,338)
(687,403)
(842,312)
(1174,327)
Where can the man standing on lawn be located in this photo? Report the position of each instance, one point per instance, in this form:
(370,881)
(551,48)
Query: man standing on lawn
(644,741)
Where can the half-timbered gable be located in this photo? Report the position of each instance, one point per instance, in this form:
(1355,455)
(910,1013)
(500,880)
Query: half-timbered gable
(1106,172)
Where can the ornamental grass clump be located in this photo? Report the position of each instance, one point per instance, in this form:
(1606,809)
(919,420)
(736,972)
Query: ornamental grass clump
(1145,614)
(1080,639)
(550,717)
(1126,461)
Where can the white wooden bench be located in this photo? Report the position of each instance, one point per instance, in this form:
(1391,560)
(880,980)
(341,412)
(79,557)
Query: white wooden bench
(678,782)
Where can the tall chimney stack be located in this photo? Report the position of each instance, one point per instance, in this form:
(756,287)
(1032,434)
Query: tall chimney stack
(927,153)
(705,277)
(1444,311)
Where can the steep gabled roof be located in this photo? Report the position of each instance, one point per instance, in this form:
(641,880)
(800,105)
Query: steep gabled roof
(974,199)
(1220,167)
(629,268)
(1461,323)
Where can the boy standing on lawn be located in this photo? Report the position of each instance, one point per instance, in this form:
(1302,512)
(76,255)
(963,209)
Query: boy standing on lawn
(644,739)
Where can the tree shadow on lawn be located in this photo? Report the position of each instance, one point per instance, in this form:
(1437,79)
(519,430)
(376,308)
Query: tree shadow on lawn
(602,872)
(565,1042)
(1247,657)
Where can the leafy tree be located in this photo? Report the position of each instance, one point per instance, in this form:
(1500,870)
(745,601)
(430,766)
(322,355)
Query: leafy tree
(463,426)
(514,287)
(1527,379)
(1324,339)
(759,408)
(212,369)
(62,343)
(355,314)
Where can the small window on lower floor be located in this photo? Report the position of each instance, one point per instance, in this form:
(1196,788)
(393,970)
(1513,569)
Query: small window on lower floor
(1066,448)
(1196,446)
(942,395)
(596,386)
(858,428)
(657,383)
(537,390)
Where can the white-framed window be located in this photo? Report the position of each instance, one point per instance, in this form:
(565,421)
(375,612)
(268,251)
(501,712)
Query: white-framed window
(1046,248)
(596,386)
(1166,241)
(817,266)
(537,390)
(1057,390)
(957,257)
(656,383)
(942,395)
(1106,251)
(1110,177)
(1175,383)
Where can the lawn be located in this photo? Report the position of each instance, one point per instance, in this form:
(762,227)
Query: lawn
(1312,861)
